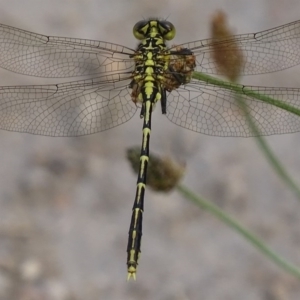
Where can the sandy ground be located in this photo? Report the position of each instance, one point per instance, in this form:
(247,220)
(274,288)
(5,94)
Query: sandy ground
(65,203)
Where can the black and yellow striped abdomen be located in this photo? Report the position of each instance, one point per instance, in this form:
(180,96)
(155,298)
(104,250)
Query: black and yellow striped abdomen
(152,60)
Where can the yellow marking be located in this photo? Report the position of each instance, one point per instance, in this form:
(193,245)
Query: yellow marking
(143,159)
(139,189)
(149,71)
(148,89)
(136,213)
(133,236)
(145,132)
(145,28)
(149,78)
(147,112)
(161,78)
(149,84)
(159,41)
(140,97)
(131,255)
(149,63)
(158,96)
(150,46)
(140,185)
(138,56)
(131,273)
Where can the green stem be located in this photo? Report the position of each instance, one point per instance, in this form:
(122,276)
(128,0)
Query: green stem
(243,90)
(255,241)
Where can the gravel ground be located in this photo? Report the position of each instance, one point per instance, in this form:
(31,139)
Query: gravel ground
(65,203)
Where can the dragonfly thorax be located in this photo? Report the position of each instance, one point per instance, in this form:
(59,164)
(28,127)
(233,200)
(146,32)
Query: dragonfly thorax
(151,63)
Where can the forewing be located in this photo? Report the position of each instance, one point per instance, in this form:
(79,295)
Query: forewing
(263,52)
(39,55)
(215,110)
(69,109)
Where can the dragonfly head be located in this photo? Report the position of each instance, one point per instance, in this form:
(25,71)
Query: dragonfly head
(144,28)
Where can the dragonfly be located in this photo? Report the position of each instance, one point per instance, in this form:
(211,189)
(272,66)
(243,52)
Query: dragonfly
(116,81)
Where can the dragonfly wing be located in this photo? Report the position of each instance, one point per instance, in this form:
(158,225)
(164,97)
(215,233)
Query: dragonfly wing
(68,109)
(215,110)
(39,55)
(262,52)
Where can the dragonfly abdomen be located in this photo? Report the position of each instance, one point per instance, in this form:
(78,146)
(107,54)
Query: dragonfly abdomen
(150,93)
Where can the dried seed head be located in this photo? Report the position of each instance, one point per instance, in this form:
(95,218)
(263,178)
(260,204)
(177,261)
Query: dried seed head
(163,174)
(226,53)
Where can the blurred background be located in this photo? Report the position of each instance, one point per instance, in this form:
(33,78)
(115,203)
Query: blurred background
(65,203)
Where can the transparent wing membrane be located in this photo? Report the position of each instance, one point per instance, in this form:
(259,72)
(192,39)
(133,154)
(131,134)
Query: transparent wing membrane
(38,55)
(214,110)
(263,52)
(68,109)
(89,106)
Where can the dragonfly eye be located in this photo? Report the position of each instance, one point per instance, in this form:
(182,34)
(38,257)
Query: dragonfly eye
(167,29)
(140,29)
